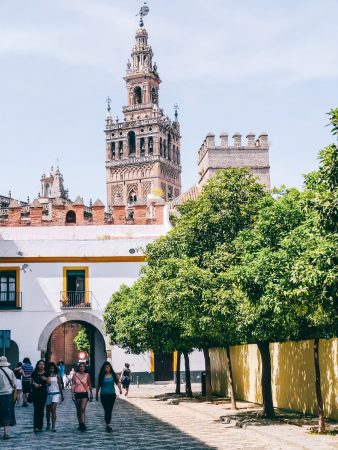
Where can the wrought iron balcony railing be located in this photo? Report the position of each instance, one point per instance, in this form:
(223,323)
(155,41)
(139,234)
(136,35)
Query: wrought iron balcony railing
(75,299)
(10,300)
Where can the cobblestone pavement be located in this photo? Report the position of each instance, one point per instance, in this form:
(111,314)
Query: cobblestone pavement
(142,422)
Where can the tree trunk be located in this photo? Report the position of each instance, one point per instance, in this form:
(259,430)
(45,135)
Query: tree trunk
(321,420)
(208,393)
(231,381)
(178,373)
(188,390)
(268,410)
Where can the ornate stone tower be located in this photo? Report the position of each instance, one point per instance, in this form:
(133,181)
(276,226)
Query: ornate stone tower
(142,151)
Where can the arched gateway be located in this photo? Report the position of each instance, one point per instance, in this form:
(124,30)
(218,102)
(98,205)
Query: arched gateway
(78,316)
(98,342)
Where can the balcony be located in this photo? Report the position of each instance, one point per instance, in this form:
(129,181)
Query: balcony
(10,300)
(76,300)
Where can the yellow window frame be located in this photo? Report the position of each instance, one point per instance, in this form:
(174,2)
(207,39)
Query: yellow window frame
(15,269)
(64,290)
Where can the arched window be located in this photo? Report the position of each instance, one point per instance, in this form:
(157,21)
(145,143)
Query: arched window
(112,150)
(150,145)
(120,149)
(161,147)
(132,198)
(131,142)
(154,96)
(142,146)
(169,146)
(70,217)
(137,95)
(164,148)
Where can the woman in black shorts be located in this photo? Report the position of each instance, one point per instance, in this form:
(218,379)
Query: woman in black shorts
(81,386)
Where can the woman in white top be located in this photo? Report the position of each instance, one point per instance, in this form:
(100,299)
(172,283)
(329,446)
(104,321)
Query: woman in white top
(54,394)
(7,388)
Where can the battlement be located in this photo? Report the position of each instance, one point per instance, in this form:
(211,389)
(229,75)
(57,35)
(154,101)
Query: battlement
(253,154)
(209,143)
(66,213)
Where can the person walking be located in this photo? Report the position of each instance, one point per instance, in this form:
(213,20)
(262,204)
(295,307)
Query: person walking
(54,394)
(61,372)
(18,382)
(125,378)
(26,380)
(106,384)
(81,386)
(39,393)
(7,393)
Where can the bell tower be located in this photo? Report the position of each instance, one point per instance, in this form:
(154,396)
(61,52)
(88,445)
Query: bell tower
(142,150)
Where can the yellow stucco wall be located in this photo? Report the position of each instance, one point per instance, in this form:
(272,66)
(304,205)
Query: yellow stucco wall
(292,374)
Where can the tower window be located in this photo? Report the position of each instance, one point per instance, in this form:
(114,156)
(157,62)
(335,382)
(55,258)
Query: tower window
(164,148)
(142,146)
(112,150)
(154,96)
(137,95)
(169,146)
(161,147)
(132,198)
(150,144)
(131,142)
(120,149)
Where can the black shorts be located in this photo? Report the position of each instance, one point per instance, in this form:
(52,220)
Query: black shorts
(80,395)
(26,386)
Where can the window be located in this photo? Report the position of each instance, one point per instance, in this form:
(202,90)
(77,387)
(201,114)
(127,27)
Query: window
(120,149)
(150,144)
(75,287)
(132,198)
(161,147)
(164,148)
(9,287)
(142,146)
(131,142)
(169,146)
(112,150)
(70,217)
(137,95)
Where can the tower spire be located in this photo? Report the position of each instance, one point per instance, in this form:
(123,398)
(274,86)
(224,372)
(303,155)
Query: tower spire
(144,10)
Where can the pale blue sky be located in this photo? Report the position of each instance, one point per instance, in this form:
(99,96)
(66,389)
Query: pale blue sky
(245,65)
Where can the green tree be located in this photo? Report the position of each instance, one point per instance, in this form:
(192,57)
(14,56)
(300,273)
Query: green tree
(81,340)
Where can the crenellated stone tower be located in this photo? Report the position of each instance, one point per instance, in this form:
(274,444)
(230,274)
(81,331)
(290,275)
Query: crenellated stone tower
(254,154)
(142,151)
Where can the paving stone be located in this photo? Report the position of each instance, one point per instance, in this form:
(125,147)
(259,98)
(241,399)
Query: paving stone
(141,422)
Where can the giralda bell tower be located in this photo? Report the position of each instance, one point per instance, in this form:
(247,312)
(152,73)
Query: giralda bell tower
(143,150)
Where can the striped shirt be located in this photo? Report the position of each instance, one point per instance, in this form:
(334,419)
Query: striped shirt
(28,370)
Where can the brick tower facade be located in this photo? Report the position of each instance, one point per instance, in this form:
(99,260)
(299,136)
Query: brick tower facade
(142,151)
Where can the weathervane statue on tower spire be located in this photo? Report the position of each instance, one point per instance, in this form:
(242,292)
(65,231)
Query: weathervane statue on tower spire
(143,12)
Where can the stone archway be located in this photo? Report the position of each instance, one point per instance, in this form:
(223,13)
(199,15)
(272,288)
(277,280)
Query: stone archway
(80,316)
(101,347)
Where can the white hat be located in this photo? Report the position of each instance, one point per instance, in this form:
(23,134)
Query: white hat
(4,362)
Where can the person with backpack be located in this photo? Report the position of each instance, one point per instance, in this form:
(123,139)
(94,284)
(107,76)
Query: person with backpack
(7,394)
(106,384)
(125,378)
(81,393)
(27,370)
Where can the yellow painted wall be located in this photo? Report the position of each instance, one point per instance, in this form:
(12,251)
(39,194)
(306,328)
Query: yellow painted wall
(292,374)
